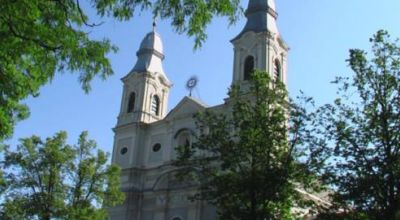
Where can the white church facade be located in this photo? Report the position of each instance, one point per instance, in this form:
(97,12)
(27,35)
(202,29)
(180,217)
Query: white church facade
(146,134)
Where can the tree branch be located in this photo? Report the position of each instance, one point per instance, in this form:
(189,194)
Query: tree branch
(83,16)
(13,31)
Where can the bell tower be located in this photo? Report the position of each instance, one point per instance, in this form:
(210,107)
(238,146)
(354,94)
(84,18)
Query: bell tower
(259,45)
(146,87)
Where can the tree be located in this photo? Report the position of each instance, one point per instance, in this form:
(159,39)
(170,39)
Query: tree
(40,38)
(362,133)
(53,180)
(248,163)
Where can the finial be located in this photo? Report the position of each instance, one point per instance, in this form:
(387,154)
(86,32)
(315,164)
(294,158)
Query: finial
(154,23)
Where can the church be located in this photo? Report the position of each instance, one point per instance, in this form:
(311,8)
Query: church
(146,134)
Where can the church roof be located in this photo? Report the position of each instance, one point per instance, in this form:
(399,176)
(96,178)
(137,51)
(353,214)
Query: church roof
(152,41)
(150,54)
(261,16)
(199,102)
(261,3)
(186,107)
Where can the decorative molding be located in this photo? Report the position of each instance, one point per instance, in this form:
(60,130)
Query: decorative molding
(151,51)
(183,130)
(268,9)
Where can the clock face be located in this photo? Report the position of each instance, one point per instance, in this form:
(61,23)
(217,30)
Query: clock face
(191,83)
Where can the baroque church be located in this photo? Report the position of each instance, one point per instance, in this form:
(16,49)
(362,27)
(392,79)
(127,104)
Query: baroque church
(146,134)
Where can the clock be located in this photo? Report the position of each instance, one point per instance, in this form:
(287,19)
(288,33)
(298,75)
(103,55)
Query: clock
(191,83)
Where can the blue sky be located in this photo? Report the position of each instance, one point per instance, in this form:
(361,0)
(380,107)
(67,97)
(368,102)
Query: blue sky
(319,33)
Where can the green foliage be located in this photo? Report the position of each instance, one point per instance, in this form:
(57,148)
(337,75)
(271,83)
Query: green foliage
(39,38)
(187,16)
(361,132)
(2,182)
(247,162)
(53,180)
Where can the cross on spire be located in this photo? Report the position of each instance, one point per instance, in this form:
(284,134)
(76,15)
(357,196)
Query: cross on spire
(154,23)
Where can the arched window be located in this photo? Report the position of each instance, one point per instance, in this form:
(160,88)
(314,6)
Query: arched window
(277,70)
(248,67)
(155,105)
(184,139)
(131,102)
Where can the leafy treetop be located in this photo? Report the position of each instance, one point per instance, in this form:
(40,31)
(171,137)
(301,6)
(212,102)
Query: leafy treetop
(49,179)
(361,135)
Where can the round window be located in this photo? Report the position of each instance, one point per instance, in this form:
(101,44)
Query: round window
(156,147)
(124,150)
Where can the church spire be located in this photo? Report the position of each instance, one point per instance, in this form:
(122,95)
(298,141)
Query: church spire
(261,16)
(146,86)
(259,45)
(260,5)
(150,55)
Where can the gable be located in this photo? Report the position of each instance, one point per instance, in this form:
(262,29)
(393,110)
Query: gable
(186,107)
